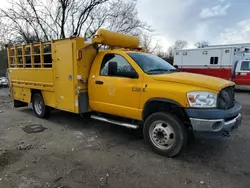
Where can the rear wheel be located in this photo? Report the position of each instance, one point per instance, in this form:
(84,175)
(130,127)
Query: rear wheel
(39,107)
(165,133)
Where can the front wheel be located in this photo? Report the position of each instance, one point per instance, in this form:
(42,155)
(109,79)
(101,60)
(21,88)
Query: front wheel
(165,133)
(39,107)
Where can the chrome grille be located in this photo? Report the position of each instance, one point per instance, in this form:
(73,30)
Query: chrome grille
(226,98)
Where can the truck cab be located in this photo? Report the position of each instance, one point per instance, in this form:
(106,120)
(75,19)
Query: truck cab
(124,86)
(241,74)
(143,87)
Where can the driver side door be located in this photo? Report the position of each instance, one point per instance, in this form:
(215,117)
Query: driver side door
(116,94)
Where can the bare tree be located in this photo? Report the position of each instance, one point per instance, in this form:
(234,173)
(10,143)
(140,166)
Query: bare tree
(150,43)
(202,44)
(116,15)
(169,55)
(39,20)
(64,4)
(84,14)
(24,21)
(180,44)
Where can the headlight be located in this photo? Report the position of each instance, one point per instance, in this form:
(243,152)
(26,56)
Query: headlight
(202,99)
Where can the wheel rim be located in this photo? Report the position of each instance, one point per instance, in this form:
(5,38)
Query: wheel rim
(38,105)
(162,135)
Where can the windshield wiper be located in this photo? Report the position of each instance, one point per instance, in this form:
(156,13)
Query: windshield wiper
(174,70)
(153,70)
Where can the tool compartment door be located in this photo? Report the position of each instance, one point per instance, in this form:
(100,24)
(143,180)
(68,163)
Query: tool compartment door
(64,86)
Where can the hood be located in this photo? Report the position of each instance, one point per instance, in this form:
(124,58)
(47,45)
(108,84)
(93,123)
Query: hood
(208,82)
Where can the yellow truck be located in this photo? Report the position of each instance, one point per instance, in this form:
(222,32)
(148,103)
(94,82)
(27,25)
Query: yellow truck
(122,85)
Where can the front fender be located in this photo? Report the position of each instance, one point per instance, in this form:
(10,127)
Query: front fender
(155,104)
(162,100)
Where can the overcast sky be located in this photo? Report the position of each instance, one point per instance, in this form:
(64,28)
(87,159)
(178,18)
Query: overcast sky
(215,21)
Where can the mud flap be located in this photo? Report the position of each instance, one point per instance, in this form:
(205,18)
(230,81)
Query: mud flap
(18,104)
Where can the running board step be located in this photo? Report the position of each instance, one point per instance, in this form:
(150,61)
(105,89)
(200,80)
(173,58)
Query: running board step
(131,126)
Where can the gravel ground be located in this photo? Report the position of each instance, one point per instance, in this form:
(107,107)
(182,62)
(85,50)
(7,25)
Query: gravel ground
(76,152)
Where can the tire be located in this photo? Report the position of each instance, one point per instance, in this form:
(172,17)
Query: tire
(39,107)
(165,134)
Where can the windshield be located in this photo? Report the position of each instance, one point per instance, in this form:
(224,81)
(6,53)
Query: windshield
(152,64)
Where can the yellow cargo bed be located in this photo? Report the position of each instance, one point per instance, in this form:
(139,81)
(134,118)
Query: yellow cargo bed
(54,68)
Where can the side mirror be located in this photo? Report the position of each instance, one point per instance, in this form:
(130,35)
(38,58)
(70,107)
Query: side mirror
(112,68)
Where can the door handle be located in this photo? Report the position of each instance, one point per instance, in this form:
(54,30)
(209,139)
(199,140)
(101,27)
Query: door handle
(99,82)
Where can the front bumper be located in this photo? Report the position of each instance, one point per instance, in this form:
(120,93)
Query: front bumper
(214,123)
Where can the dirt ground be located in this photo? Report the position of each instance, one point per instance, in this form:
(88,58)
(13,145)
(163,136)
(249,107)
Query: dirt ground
(76,152)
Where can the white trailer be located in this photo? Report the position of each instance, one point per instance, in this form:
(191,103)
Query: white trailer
(228,62)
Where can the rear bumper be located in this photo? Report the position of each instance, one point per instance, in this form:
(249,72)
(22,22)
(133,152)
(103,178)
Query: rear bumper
(214,123)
